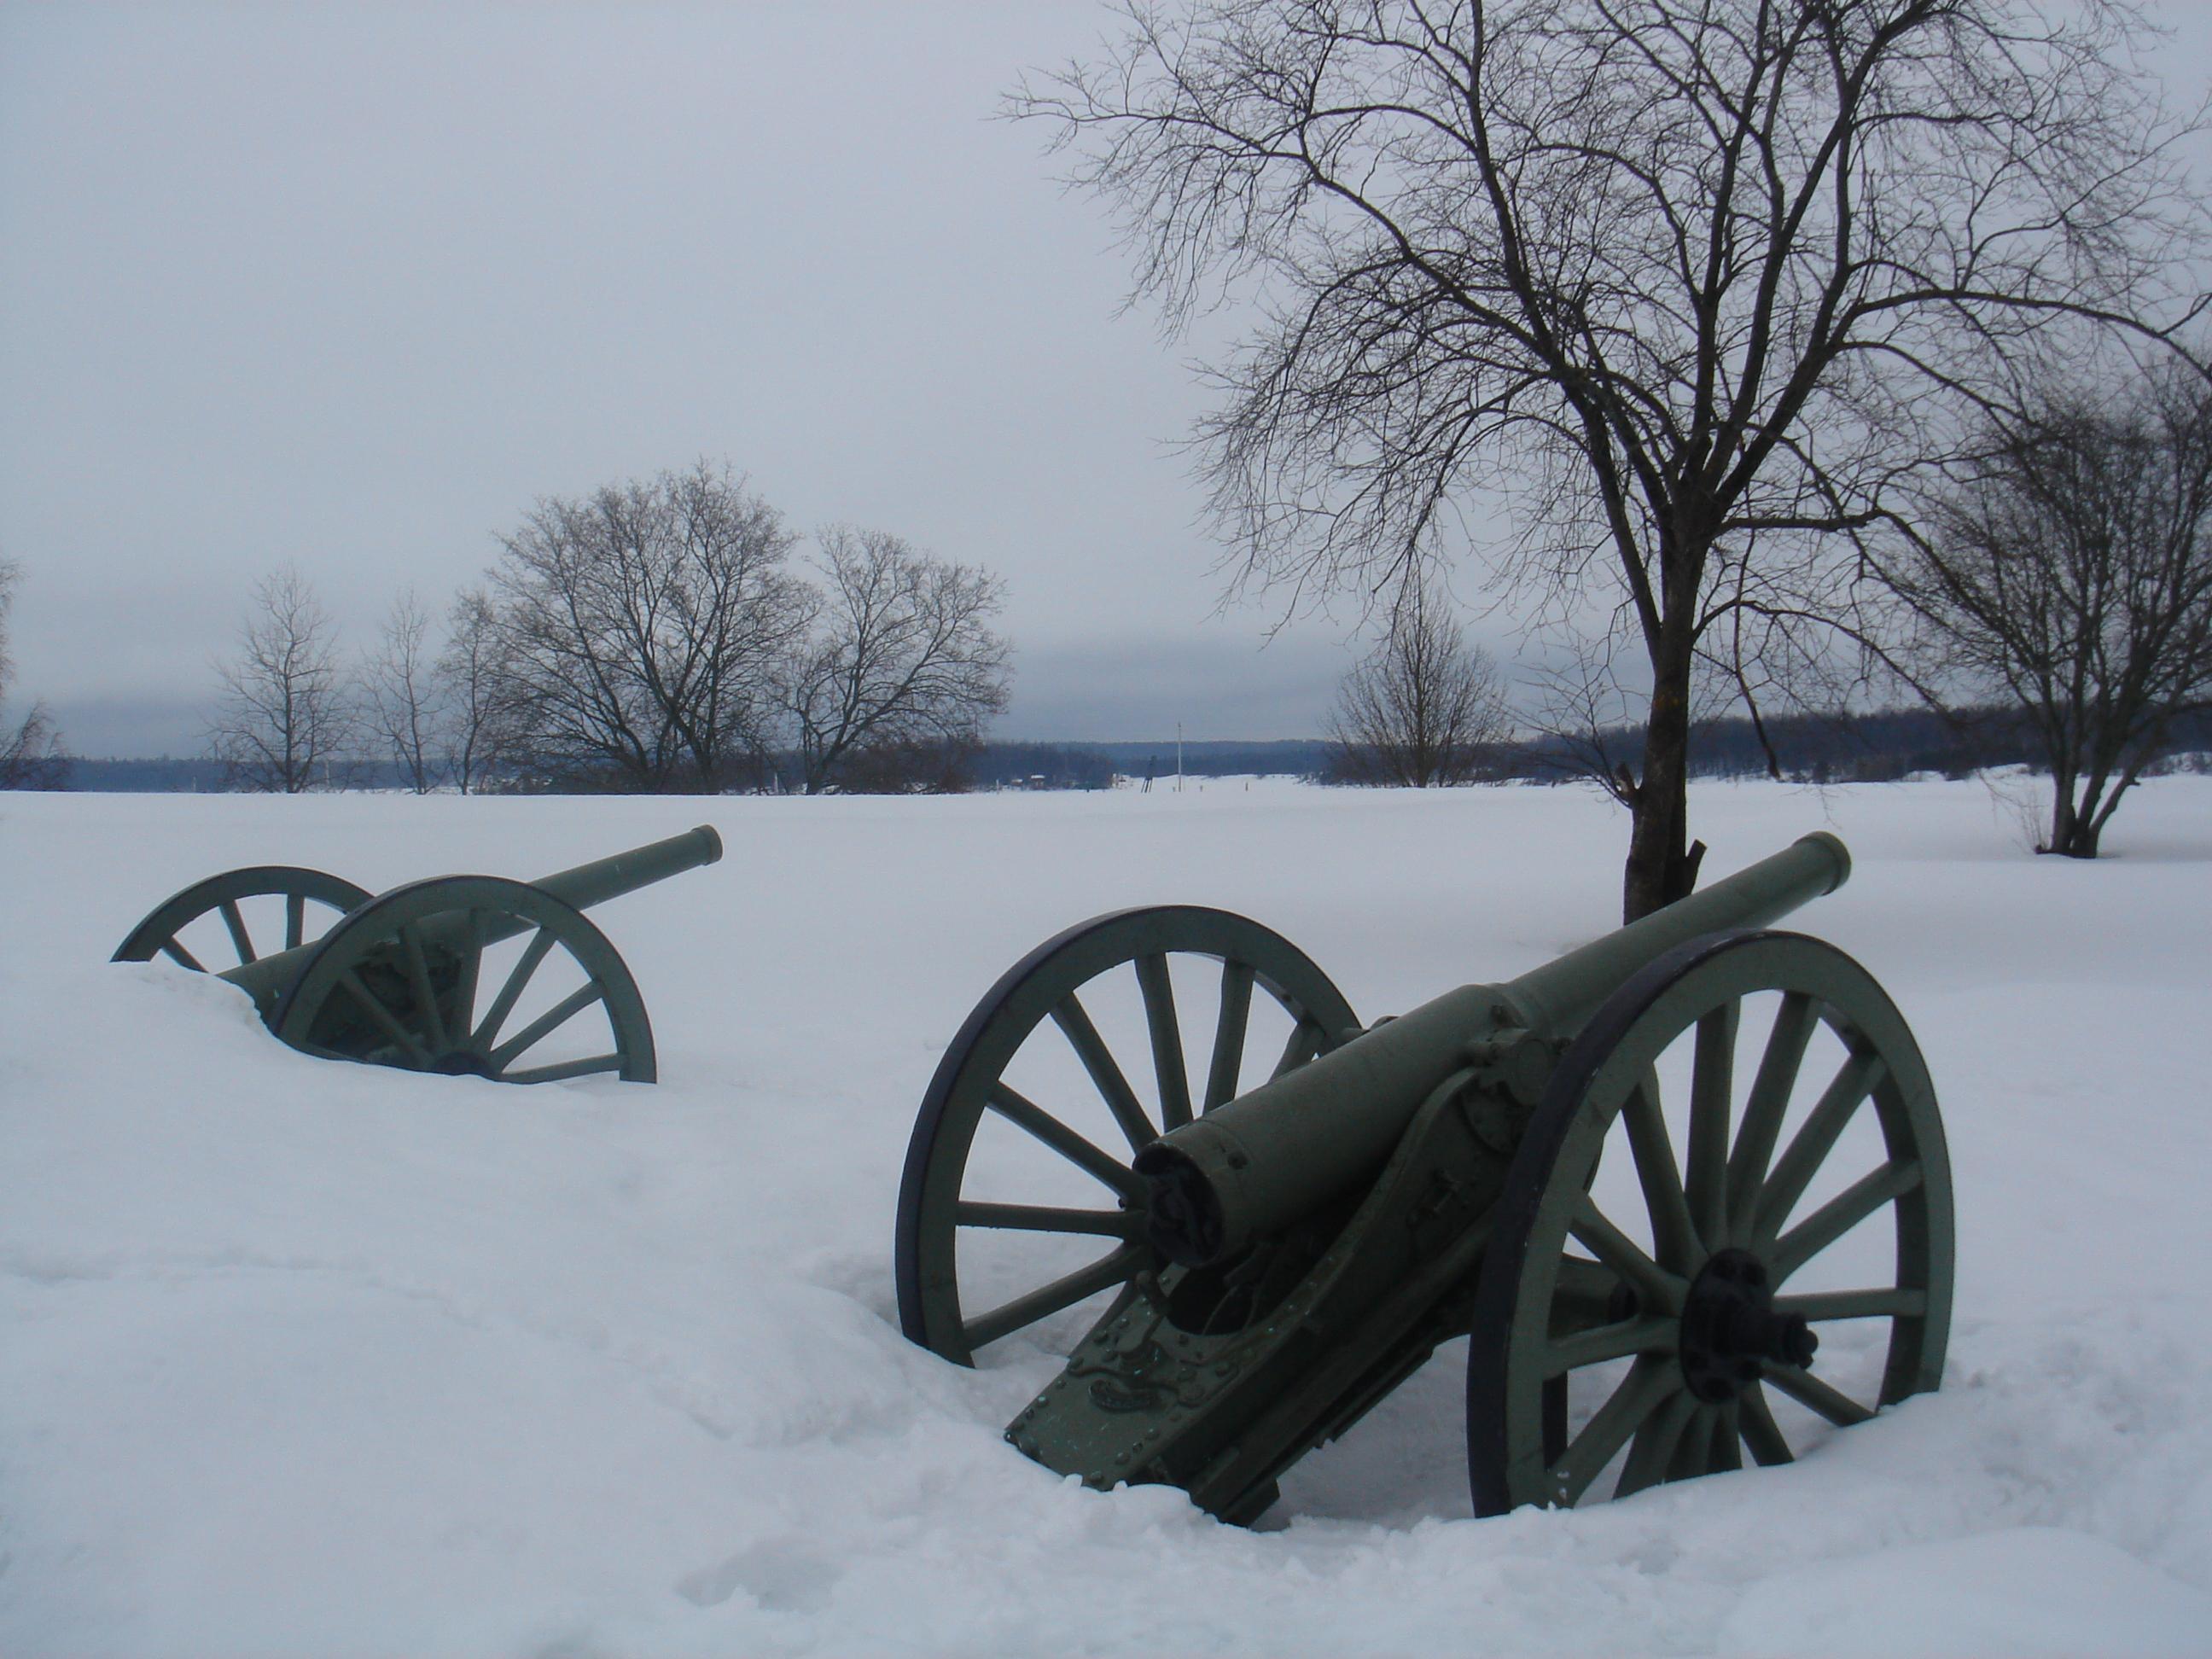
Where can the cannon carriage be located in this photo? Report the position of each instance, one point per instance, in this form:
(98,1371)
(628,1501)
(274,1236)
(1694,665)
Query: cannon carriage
(474,976)
(1683,1190)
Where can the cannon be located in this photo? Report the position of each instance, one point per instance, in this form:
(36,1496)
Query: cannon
(465,975)
(1645,1181)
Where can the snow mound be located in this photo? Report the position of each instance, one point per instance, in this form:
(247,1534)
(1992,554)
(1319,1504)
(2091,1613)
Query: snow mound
(304,1357)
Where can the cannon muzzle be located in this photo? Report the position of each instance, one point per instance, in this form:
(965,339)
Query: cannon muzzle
(1252,1167)
(602,880)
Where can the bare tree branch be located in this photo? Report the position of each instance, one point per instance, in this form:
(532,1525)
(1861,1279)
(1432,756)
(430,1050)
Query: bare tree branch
(479,729)
(1697,288)
(2067,569)
(638,630)
(283,724)
(405,704)
(900,655)
(31,755)
(1423,709)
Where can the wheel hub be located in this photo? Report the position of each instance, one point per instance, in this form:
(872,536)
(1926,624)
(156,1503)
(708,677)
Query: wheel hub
(1731,1328)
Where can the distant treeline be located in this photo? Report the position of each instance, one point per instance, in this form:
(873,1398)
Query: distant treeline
(1298,758)
(980,766)
(1868,748)
(983,766)
(1877,747)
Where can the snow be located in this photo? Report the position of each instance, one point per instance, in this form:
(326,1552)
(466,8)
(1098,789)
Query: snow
(307,1357)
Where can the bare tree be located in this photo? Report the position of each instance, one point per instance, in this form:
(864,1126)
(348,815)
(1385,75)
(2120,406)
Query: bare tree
(901,654)
(1425,709)
(638,629)
(405,701)
(1695,285)
(929,766)
(283,723)
(477,728)
(2069,572)
(31,755)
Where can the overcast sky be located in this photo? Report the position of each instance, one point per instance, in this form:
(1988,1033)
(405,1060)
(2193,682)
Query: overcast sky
(352,285)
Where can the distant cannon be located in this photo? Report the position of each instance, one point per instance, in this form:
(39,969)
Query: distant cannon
(417,977)
(1572,1169)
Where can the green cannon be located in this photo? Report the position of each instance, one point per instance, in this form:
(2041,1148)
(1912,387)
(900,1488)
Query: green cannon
(1647,1182)
(466,975)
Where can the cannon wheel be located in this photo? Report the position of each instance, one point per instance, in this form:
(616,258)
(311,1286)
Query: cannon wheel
(1043,985)
(158,935)
(424,944)
(1698,1316)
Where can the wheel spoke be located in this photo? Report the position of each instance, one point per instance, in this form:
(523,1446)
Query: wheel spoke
(1027,1115)
(1042,1218)
(296,919)
(1862,1074)
(1228,1061)
(1769,1102)
(1048,1299)
(464,991)
(517,978)
(1727,1448)
(1169,1071)
(418,982)
(181,957)
(567,1068)
(1817,1305)
(1582,1294)
(1673,1236)
(1105,1074)
(1840,1214)
(1614,1341)
(1657,1443)
(1712,1089)
(1646,1386)
(240,939)
(1661,1292)
(1693,1452)
(1809,1391)
(382,1017)
(1755,1419)
(546,1023)
(1306,1041)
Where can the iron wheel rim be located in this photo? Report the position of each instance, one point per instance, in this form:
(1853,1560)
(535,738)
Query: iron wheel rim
(968,1082)
(424,1033)
(1736,1192)
(158,934)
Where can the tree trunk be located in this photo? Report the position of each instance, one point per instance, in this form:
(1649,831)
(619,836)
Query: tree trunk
(2072,834)
(1662,866)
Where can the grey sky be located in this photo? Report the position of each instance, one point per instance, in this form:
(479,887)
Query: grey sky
(351,285)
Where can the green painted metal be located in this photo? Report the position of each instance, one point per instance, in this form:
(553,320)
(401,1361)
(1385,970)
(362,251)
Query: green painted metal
(581,888)
(1261,1162)
(1736,1186)
(1285,1258)
(400,981)
(394,980)
(934,1308)
(159,934)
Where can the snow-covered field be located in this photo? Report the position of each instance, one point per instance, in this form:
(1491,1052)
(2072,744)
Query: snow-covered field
(304,1357)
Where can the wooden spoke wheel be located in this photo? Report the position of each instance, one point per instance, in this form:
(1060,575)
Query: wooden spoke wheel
(1670,1306)
(941,1203)
(415,979)
(227,895)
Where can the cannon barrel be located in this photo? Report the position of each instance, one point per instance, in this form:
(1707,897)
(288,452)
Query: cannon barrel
(584,886)
(1258,1163)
